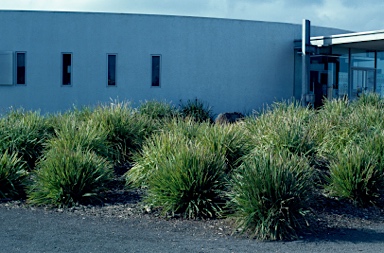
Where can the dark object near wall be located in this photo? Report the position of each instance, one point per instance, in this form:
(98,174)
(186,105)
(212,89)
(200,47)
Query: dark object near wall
(229,117)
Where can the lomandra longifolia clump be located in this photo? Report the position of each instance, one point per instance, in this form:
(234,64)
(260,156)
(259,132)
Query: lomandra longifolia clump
(227,140)
(197,110)
(24,133)
(189,182)
(356,175)
(67,177)
(13,175)
(340,123)
(284,125)
(73,133)
(127,129)
(157,110)
(269,193)
(155,150)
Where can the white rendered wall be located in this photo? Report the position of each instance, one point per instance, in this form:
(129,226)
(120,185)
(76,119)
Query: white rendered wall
(231,64)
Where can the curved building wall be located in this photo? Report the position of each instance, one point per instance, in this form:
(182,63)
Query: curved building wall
(233,65)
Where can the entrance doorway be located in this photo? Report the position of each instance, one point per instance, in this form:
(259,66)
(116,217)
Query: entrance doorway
(363,81)
(323,79)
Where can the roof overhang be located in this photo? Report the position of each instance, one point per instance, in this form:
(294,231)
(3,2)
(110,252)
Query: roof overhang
(373,40)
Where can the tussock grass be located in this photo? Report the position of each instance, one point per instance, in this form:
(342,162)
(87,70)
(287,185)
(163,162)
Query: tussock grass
(157,110)
(197,110)
(189,182)
(156,149)
(72,133)
(282,126)
(67,177)
(269,194)
(13,175)
(186,166)
(227,140)
(355,175)
(126,128)
(24,133)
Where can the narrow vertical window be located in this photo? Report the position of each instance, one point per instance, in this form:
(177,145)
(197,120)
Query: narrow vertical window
(111,70)
(155,70)
(67,69)
(20,68)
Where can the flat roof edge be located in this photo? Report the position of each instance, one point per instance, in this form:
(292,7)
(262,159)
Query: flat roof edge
(347,38)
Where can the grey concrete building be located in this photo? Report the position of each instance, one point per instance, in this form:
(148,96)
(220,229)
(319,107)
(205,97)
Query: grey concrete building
(54,60)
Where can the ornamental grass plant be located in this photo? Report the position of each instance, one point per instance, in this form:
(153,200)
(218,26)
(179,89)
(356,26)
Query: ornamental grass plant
(156,149)
(229,140)
(187,156)
(284,125)
(269,194)
(72,133)
(159,146)
(349,136)
(189,182)
(23,133)
(13,176)
(329,125)
(66,177)
(355,175)
(340,123)
(127,129)
(197,110)
(157,110)
(370,99)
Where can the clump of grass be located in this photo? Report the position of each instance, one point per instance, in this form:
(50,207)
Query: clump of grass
(73,133)
(13,175)
(126,128)
(370,99)
(282,126)
(24,133)
(228,140)
(269,193)
(355,174)
(157,110)
(159,147)
(185,167)
(189,182)
(197,110)
(340,123)
(66,177)
(328,119)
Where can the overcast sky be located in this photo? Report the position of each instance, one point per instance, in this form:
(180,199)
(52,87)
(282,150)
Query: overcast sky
(354,15)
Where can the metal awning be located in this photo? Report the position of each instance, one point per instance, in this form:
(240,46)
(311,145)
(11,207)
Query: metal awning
(373,40)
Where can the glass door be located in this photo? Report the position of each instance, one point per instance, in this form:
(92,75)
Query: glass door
(363,81)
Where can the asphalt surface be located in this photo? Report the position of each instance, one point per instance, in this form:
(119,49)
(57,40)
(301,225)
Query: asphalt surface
(40,231)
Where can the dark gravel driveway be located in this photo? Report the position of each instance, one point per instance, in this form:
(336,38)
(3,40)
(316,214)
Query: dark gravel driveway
(24,230)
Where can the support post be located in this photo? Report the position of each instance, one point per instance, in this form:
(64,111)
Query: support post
(305,44)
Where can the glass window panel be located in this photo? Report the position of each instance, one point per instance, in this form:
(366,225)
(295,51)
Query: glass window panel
(380,73)
(362,58)
(156,70)
(111,70)
(20,68)
(67,71)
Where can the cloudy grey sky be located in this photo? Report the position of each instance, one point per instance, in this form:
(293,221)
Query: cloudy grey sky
(354,15)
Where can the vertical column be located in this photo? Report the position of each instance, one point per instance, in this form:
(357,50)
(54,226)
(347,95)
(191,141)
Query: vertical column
(306,37)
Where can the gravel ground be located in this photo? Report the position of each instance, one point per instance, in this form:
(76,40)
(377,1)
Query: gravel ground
(123,224)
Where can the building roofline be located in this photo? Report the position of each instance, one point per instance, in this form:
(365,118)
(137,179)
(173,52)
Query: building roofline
(348,38)
(149,14)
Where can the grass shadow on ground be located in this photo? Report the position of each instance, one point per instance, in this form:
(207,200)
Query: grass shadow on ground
(364,235)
